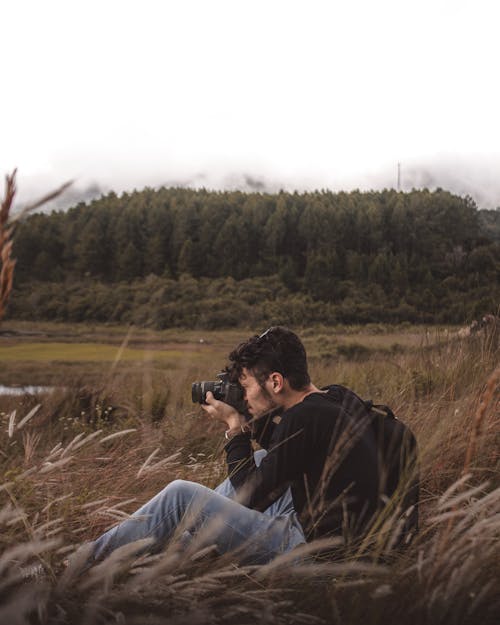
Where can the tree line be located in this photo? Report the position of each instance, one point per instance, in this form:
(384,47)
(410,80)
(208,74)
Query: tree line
(196,257)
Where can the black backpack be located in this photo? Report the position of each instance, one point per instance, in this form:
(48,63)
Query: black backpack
(397,456)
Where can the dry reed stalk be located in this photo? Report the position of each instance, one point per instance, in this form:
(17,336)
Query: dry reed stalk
(487,397)
(7,263)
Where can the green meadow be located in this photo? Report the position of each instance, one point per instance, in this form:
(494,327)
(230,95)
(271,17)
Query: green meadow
(37,353)
(139,368)
(43,354)
(81,352)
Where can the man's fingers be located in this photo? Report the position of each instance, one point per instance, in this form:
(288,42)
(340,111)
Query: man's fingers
(210,399)
(209,409)
(220,410)
(211,404)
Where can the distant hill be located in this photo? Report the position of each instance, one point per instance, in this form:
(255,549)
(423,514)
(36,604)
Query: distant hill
(394,256)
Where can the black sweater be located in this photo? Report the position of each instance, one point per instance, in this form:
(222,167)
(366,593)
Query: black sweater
(327,453)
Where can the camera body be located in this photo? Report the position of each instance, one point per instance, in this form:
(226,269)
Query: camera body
(222,389)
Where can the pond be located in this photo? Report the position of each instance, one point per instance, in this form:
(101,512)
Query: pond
(25,390)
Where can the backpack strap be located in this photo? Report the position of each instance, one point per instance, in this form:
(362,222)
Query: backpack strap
(338,393)
(381,409)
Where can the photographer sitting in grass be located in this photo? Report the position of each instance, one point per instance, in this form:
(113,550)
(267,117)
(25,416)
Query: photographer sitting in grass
(319,477)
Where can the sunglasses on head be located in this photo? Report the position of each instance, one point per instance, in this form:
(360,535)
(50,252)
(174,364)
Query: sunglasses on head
(266,333)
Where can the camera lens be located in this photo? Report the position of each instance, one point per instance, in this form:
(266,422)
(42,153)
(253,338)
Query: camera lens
(222,389)
(196,393)
(199,391)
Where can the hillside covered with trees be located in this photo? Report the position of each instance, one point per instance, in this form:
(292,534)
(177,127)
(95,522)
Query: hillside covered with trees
(181,257)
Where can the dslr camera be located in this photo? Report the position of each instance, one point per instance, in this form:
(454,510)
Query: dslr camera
(223,389)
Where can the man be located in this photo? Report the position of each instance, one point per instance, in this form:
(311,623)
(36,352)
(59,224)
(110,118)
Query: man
(319,477)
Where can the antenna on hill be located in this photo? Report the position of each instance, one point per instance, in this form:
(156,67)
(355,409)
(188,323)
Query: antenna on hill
(399,176)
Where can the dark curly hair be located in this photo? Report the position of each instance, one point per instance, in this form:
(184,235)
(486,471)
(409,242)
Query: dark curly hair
(277,349)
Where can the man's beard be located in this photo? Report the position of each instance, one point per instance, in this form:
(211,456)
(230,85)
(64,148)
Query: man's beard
(274,408)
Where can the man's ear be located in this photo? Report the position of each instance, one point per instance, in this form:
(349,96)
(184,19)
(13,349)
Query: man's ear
(277,382)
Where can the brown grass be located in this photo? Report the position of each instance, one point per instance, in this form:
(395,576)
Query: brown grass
(68,479)
(488,400)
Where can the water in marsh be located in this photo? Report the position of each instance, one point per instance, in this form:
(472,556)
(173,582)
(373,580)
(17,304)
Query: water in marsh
(25,390)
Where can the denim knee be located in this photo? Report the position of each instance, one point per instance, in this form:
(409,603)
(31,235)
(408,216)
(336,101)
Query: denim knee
(182,491)
(177,488)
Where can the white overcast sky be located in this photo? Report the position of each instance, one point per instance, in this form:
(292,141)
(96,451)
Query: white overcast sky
(233,93)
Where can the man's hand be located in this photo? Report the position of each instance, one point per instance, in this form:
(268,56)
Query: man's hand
(222,412)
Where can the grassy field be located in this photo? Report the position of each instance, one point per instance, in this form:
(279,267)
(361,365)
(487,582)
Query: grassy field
(65,480)
(44,353)
(41,353)
(81,352)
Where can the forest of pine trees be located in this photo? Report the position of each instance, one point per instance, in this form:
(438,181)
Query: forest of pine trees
(198,258)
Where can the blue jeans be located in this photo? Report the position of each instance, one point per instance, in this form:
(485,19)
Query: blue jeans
(199,516)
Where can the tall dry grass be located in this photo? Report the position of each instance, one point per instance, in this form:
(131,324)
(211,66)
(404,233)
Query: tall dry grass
(67,479)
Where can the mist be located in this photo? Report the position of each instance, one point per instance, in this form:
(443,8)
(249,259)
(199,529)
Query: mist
(476,178)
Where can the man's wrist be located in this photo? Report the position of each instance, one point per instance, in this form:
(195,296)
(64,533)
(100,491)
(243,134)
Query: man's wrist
(235,431)
(235,421)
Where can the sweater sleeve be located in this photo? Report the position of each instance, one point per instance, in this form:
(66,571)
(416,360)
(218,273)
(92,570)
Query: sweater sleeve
(259,487)
(239,458)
